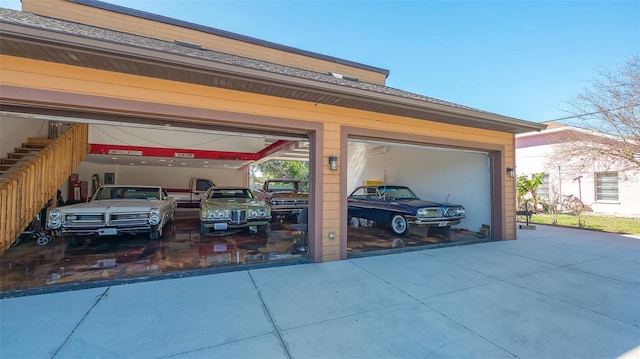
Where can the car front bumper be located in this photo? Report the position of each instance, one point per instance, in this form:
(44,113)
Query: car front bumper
(224,225)
(103,231)
(434,222)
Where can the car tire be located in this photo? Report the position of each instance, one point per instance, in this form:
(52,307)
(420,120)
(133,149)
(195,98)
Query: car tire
(43,239)
(399,225)
(263,228)
(203,229)
(155,235)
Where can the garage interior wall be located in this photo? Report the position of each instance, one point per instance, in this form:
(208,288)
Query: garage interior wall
(15,130)
(161,176)
(434,174)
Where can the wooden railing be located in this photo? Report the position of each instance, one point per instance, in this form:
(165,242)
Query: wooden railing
(25,191)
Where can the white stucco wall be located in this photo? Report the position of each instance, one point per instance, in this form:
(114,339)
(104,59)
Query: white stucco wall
(433,174)
(535,159)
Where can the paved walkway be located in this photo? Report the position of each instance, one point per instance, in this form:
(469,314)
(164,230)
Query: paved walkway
(554,293)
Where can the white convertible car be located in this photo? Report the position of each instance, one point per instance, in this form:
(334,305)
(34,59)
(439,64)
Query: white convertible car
(114,210)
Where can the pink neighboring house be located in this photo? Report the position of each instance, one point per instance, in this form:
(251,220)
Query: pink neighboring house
(612,191)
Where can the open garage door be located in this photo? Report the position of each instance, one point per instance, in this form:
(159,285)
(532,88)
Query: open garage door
(384,215)
(182,160)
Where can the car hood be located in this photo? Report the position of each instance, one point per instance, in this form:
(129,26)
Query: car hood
(414,203)
(132,205)
(422,203)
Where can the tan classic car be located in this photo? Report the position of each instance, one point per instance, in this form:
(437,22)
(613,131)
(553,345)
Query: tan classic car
(223,208)
(115,210)
(286,197)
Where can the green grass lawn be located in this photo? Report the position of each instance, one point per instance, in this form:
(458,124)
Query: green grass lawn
(590,221)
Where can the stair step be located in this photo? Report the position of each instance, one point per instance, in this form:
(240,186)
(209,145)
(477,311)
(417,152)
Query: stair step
(20,154)
(41,141)
(34,145)
(10,161)
(26,150)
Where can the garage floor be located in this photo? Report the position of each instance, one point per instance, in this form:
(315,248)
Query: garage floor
(182,249)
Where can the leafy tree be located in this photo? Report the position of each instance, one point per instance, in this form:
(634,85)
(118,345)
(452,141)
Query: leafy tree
(605,122)
(526,188)
(281,169)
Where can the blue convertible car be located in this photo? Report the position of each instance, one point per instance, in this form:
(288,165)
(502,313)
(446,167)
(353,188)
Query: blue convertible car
(401,208)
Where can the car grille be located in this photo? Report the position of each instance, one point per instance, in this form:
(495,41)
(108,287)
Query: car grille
(88,218)
(435,213)
(111,219)
(238,216)
(290,202)
(431,213)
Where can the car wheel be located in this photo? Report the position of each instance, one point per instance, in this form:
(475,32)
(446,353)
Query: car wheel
(154,235)
(43,239)
(400,226)
(262,228)
(203,229)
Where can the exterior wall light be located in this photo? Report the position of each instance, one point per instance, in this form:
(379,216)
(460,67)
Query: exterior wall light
(333,163)
(511,172)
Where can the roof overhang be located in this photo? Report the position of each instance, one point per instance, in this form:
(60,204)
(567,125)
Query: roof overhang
(37,43)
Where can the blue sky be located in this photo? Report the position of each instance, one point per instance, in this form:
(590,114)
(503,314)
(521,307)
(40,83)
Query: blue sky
(524,59)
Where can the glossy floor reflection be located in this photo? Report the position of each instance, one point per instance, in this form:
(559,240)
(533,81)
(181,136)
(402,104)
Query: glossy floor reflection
(372,238)
(181,249)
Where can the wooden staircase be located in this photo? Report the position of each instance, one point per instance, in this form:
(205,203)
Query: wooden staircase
(32,174)
(22,154)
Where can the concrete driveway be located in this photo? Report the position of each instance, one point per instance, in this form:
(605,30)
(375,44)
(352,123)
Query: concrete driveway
(553,293)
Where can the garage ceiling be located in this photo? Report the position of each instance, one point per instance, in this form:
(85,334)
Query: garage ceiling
(132,144)
(146,145)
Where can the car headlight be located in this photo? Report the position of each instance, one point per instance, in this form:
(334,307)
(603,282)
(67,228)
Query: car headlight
(253,213)
(455,212)
(54,221)
(216,214)
(154,216)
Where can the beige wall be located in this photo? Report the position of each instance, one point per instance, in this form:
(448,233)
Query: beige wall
(15,130)
(62,9)
(251,110)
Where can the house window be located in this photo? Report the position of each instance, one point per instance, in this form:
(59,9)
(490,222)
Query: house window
(607,186)
(543,189)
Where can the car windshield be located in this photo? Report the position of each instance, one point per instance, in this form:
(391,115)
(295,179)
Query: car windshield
(396,193)
(386,192)
(230,193)
(283,186)
(147,193)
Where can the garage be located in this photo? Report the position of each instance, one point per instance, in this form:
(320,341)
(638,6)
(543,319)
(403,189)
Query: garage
(434,174)
(131,92)
(139,154)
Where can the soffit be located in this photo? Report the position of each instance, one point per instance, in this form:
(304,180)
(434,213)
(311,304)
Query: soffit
(130,54)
